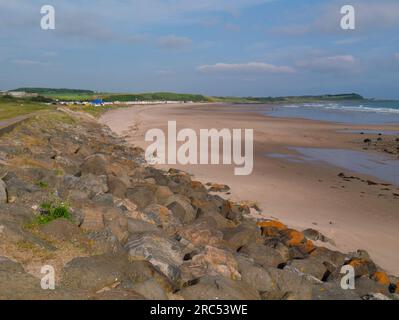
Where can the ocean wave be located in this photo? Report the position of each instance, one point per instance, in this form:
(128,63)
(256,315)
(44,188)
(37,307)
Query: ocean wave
(337,106)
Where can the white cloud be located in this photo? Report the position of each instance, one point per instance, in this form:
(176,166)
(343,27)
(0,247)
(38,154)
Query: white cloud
(174,42)
(329,64)
(246,68)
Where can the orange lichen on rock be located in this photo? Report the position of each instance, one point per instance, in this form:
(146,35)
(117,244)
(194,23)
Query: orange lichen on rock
(357,262)
(294,238)
(196,184)
(309,246)
(272,223)
(397,287)
(381,278)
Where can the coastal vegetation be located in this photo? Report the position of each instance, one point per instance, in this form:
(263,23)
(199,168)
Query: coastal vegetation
(38,99)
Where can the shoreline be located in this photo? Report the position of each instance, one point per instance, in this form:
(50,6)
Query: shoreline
(317,197)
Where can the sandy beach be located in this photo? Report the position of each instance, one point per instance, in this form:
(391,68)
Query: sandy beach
(361,212)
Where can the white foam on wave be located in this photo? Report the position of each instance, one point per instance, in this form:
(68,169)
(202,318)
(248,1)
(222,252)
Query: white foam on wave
(337,106)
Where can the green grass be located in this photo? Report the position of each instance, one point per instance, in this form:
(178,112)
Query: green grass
(10,107)
(94,111)
(51,211)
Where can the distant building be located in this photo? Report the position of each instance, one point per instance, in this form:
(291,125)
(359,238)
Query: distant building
(21,94)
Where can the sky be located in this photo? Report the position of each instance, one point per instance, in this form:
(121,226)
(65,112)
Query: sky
(212,47)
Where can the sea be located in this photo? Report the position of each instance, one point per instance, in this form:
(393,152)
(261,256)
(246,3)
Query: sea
(352,112)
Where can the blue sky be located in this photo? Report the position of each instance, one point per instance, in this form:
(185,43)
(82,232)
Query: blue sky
(214,47)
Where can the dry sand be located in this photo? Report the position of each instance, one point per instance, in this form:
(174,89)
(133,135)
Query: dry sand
(303,195)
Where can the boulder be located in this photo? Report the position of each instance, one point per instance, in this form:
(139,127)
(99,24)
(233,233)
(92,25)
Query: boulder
(216,219)
(93,218)
(363,267)
(181,208)
(311,266)
(16,284)
(254,275)
(117,186)
(242,235)
(292,237)
(332,291)
(96,272)
(64,230)
(140,226)
(161,217)
(216,187)
(290,286)
(219,288)
(89,185)
(214,261)
(315,235)
(365,286)
(201,234)
(142,196)
(162,194)
(95,164)
(163,253)
(263,255)
(150,289)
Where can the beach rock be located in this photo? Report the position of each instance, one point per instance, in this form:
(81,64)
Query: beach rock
(216,187)
(163,253)
(363,267)
(142,271)
(142,196)
(89,185)
(201,234)
(219,288)
(64,230)
(140,226)
(335,258)
(96,272)
(150,289)
(382,278)
(254,275)
(242,235)
(292,237)
(161,217)
(162,194)
(181,208)
(93,218)
(315,235)
(16,284)
(95,164)
(216,219)
(263,255)
(290,286)
(117,186)
(311,266)
(3,192)
(216,261)
(233,211)
(365,286)
(332,291)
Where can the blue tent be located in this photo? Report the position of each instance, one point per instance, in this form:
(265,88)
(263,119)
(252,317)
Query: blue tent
(97,101)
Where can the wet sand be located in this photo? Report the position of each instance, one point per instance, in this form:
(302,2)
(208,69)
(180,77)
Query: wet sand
(357,211)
